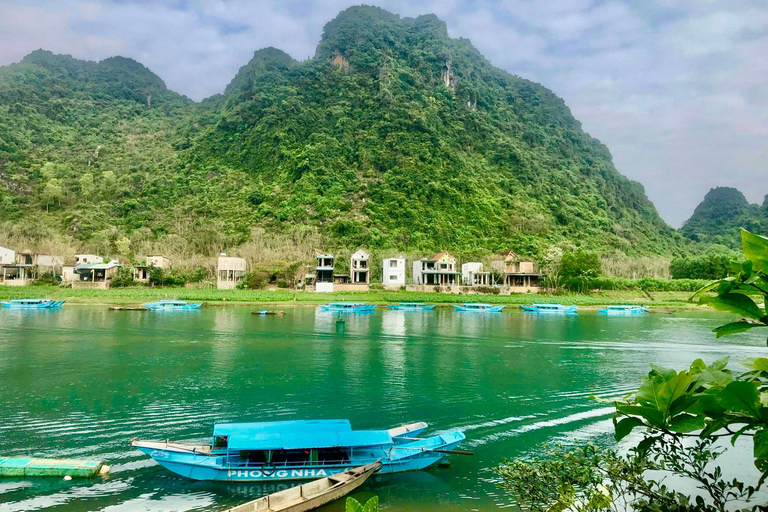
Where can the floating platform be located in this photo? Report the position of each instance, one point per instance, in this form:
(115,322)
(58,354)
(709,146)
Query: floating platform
(29,466)
(129,308)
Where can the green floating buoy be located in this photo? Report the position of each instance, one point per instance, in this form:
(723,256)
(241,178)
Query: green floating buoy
(29,466)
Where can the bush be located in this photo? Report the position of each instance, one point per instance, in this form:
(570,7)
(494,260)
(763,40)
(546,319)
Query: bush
(712,265)
(578,269)
(123,277)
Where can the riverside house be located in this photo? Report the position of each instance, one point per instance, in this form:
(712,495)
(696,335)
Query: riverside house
(393,272)
(472,274)
(141,272)
(94,275)
(324,273)
(13,272)
(519,275)
(440,270)
(229,272)
(359,268)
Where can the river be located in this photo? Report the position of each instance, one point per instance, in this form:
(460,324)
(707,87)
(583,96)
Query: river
(82,381)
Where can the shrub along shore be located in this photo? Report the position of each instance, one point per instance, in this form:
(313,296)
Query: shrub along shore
(141,294)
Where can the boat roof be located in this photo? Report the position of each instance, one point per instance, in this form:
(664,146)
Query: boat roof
(171,302)
(624,306)
(476,304)
(350,304)
(291,435)
(410,304)
(29,301)
(548,305)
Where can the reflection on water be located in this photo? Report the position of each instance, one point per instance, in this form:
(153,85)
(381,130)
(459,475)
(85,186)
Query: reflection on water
(82,381)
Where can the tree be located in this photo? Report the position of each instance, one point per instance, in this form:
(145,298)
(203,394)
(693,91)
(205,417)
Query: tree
(52,192)
(87,185)
(123,246)
(578,268)
(550,264)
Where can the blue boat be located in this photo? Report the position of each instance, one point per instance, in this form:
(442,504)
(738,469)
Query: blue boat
(298,450)
(411,306)
(623,310)
(32,304)
(172,305)
(550,308)
(348,307)
(480,307)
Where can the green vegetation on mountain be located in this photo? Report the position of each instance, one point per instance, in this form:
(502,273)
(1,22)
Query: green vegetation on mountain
(722,215)
(394,136)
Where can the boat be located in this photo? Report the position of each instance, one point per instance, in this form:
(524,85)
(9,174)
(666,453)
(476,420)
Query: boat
(265,312)
(348,307)
(299,450)
(172,305)
(411,306)
(32,304)
(32,466)
(550,308)
(311,495)
(623,310)
(479,306)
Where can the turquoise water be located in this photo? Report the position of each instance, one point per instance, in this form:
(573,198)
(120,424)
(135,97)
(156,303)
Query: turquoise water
(83,381)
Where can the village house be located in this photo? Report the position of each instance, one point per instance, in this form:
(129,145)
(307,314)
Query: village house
(141,272)
(324,273)
(472,274)
(94,275)
(518,274)
(440,270)
(393,272)
(359,269)
(230,272)
(12,272)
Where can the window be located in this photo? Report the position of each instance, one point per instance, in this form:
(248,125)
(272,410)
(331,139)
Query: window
(392,263)
(393,277)
(443,266)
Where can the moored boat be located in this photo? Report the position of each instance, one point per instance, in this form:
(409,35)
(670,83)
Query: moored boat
(32,304)
(265,312)
(549,308)
(313,494)
(411,306)
(172,305)
(348,307)
(623,310)
(479,306)
(298,450)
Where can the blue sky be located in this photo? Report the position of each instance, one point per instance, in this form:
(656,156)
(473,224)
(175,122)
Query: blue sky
(675,89)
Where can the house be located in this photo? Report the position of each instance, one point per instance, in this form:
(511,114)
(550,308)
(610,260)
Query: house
(13,273)
(7,256)
(516,273)
(440,270)
(88,258)
(141,272)
(324,273)
(472,275)
(93,275)
(393,272)
(359,268)
(230,272)
(48,262)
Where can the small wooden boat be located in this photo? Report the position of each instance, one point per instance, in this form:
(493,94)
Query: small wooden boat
(549,308)
(265,312)
(128,308)
(479,307)
(411,306)
(311,495)
(348,307)
(30,466)
(623,310)
(172,305)
(32,304)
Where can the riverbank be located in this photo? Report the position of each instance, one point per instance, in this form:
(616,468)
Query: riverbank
(138,295)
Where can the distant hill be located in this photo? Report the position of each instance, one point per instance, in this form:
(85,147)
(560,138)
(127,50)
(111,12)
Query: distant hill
(722,214)
(394,136)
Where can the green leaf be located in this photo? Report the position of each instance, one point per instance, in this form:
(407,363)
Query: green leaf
(352,505)
(684,423)
(761,364)
(734,328)
(755,249)
(697,366)
(625,426)
(710,286)
(741,397)
(760,441)
(372,505)
(736,303)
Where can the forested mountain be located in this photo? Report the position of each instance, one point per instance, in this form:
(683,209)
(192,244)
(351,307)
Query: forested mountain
(722,214)
(394,136)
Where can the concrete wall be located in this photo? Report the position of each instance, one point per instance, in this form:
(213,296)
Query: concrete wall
(7,256)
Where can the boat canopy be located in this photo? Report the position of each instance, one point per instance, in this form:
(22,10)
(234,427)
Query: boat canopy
(347,304)
(227,429)
(411,304)
(548,306)
(476,305)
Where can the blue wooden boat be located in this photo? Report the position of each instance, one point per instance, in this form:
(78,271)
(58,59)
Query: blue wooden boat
(623,310)
(550,308)
(480,307)
(348,307)
(411,306)
(32,304)
(299,450)
(172,305)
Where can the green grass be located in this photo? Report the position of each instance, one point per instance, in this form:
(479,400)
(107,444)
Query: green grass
(137,295)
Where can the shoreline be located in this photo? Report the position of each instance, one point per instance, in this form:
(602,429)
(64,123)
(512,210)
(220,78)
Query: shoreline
(135,296)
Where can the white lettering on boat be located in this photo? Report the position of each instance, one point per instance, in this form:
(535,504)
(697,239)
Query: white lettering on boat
(282,474)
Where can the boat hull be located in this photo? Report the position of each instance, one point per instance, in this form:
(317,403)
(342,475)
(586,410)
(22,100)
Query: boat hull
(45,305)
(395,458)
(185,307)
(623,312)
(564,309)
(492,309)
(356,309)
(412,308)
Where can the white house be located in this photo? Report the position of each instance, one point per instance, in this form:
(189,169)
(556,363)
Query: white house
(393,272)
(359,268)
(7,256)
(472,274)
(230,272)
(440,270)
(88,258)
(324,273)
(141,272)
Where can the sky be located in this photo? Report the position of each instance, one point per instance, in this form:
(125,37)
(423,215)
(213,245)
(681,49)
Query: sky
(675,89)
